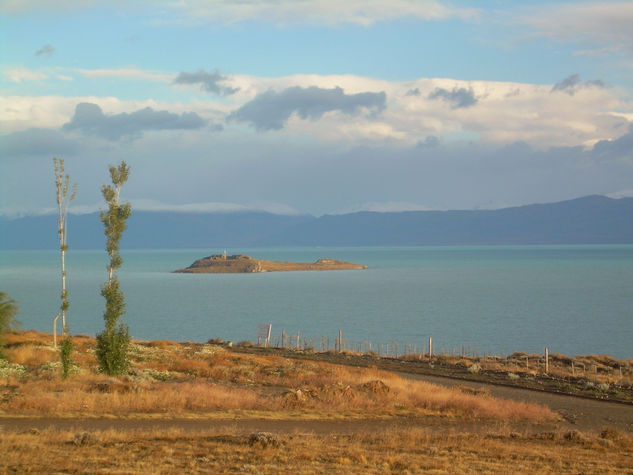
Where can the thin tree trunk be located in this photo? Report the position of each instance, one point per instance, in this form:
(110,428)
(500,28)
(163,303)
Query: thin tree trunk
(55,330)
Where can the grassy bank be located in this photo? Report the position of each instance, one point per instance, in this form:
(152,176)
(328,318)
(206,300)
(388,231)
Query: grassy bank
(202,379)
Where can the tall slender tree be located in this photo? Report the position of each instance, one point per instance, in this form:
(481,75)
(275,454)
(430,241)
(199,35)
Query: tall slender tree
(65,194)
(113,342)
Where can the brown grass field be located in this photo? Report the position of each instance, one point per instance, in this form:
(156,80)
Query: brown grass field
(452,429)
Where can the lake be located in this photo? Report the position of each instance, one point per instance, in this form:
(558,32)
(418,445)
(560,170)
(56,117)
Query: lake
(494,299)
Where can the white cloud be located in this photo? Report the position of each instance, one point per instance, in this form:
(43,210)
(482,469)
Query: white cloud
(23,74)
(504,112)
(628,193)
(384,207)
(25,112)
(213,207)
(128,73)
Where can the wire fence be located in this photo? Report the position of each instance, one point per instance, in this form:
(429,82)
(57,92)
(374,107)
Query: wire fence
(430,352)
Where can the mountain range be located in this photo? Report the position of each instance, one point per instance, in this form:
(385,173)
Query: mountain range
(589,220)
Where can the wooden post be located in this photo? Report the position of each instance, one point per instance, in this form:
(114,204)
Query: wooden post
(430,348)
(546,360)
(573,370)
(527,362)
(298,340)
(55,330)
(340,341)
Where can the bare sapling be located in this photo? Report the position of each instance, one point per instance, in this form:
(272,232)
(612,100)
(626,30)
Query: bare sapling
(65,194)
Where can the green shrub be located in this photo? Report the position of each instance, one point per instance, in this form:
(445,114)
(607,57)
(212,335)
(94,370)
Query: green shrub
(111,351)
(65,353)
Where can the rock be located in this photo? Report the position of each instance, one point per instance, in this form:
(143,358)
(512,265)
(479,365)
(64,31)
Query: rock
(111,385)
(432,450)
(574,436)
(82,438)
(374,387)
(264,439)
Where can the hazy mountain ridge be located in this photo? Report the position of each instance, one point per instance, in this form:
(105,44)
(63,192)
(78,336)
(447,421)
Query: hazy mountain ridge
(589,220)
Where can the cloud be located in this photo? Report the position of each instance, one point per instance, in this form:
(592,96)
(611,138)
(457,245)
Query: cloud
(567,83)
(384,207)
(429,142)
(208,81)
(126,73)
(317,12)
(505,112)
(23,74)
(271,110)
(457,97)
(413,92)
(282,12)
(572,83)
(620,147)
(601,23)
(46,50)
(36,142)
(89,119)
(213,207)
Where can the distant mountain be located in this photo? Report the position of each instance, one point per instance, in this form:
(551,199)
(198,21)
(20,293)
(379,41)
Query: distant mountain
(588,220)
(150,230)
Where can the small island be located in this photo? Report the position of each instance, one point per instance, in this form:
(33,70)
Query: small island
(240,263)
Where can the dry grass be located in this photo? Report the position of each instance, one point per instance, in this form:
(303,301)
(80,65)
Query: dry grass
(393,451)
(193,378)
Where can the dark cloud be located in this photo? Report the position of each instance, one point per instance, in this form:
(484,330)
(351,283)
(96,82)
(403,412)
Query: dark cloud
(271,110)
(430,142)
(36,142)
(620,147)
(596,82)
(413,92)
(572,83)
(46,50)
(457,97)
(568,84)
(89,119)
(208,82)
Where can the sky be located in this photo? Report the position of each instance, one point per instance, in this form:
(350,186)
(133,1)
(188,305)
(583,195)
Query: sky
(315,106)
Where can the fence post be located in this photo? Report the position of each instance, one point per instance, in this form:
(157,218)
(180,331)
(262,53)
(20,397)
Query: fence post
(430,348)
(340,341)
(546,360)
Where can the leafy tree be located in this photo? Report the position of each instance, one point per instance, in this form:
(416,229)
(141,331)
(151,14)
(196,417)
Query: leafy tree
(8,313)
(113,342)
(62,182)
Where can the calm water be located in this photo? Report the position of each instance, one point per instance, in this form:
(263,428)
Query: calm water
(573,299)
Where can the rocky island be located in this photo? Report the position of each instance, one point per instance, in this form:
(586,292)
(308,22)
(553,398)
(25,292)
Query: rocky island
(240,263)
